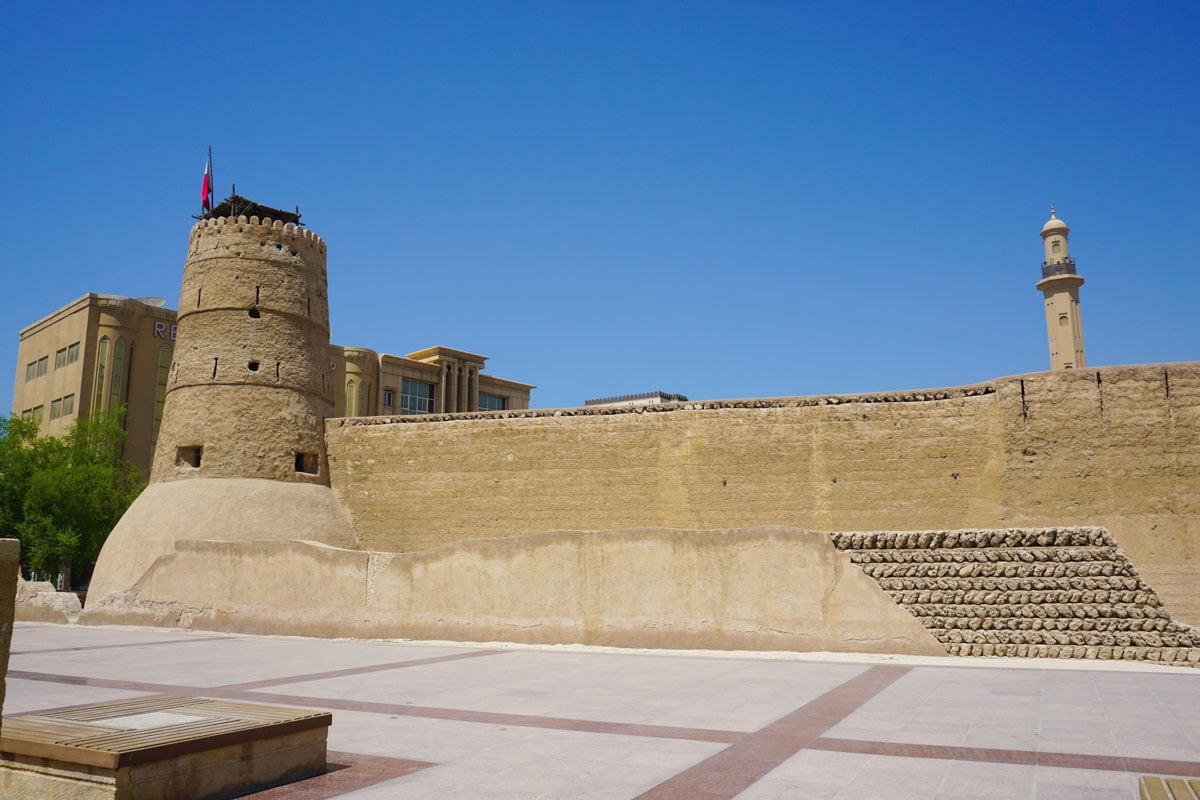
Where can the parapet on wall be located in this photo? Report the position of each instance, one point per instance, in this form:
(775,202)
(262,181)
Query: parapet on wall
(1117,447)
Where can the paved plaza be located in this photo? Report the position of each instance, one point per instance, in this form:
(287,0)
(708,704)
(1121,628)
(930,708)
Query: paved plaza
(447,720)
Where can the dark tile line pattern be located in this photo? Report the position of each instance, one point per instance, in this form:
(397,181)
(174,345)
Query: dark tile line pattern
(342,673)
(393,709)
(734,769)
(347,772)
(102,683)
(495,718)
(725,774)
(1001,756)
(114,646)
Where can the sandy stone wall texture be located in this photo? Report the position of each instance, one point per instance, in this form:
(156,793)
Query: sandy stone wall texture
(1117,447)
(1045,592)
(758,589)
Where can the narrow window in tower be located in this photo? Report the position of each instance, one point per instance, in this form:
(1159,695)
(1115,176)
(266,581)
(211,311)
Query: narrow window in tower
(1062,320)
(198,291)
(214,369)
(189,456)
(276,370)
(257,291)
(307,463)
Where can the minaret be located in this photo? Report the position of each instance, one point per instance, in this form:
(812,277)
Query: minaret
(241,450)
(1060,286)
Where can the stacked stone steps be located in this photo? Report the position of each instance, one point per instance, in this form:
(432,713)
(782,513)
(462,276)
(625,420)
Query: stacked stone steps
(1051,592)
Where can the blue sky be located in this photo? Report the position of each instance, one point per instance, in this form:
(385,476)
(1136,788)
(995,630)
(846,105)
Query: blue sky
(715,199)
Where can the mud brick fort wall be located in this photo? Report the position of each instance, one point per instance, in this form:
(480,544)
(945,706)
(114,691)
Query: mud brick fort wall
(1116,447)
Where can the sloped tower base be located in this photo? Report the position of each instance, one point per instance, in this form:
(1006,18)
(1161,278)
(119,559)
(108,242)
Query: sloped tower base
(220,509)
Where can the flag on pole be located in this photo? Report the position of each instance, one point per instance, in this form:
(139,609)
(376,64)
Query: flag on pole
(206,189)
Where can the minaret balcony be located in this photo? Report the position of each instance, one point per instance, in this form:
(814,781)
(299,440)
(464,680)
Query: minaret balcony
(1064,267)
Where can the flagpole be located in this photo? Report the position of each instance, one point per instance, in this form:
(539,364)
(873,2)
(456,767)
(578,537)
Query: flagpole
(210,180)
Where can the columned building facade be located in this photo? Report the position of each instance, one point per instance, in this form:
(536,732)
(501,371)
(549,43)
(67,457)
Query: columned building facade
(436,380)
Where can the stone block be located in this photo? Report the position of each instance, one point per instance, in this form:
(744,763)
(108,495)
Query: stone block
(159,748)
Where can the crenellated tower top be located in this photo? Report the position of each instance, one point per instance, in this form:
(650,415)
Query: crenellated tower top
(249,387)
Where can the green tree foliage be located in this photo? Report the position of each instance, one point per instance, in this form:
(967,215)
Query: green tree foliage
(61,496)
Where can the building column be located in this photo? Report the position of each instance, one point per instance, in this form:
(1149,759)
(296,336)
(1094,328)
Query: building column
(439,402)
(472,389)
(464,388)
(452,386)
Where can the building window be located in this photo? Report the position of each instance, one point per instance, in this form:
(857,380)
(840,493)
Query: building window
(68,405)
(118,374)
(60,358)
(490,402)
(35,414)
(43,364)
(160,391)
(416,397)
(351,398)
(389,398)
(56,408)
(73,353)
(30,371)
(101,360)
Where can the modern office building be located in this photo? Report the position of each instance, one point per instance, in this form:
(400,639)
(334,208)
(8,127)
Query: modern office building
(437,380)
(98,352)
(104,351)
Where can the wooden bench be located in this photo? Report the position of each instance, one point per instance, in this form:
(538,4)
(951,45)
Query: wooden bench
(1156,788)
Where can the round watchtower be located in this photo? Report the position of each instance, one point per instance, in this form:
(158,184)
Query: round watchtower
(249,388)
(241,449)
